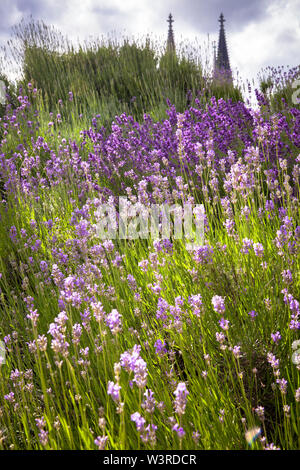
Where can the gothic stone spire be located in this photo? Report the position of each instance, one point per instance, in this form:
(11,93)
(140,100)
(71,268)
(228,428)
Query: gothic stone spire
(222,62)
(170,42)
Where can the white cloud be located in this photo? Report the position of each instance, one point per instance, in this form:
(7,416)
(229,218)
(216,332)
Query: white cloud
(271,42)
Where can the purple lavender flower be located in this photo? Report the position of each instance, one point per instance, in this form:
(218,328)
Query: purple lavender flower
(10,397)
(140,373)
(218,303)
(180,401)
(197,304)
(131,282)
(224,324)
(128,359)
(98,311)
(276,337)
(258,249)
(114,390)
(43,437)
(138,420)
(160,348)
(287,276)
(203,255)
(247,244)
(180,431)
(252,314)
(101,442)
(43,266)
(236,351)
(114,321)
(76,332)
(282,383)
(273,360)
(149,402)
(33,316)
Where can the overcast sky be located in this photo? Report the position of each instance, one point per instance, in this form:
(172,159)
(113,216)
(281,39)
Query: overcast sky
(259,32)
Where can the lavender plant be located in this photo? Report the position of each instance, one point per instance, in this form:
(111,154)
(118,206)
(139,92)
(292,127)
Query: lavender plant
(141,343)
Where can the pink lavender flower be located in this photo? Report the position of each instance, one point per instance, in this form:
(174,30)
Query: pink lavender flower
(143,265)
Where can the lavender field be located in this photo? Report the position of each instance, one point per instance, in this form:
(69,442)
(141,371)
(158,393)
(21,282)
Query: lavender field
(138,342)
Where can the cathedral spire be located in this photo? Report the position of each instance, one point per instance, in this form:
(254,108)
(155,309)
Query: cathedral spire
(170,41)
(222,60)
